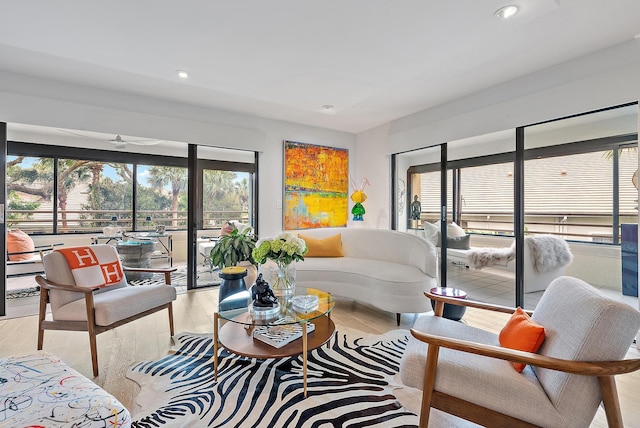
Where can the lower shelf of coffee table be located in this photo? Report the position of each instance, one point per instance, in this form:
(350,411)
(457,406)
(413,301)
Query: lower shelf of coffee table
(238,338)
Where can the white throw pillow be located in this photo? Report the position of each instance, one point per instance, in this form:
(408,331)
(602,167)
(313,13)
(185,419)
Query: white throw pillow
(454,230)
(432,233)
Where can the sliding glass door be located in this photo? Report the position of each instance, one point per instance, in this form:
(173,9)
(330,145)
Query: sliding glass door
(227,194)
(572,181)
(581,187)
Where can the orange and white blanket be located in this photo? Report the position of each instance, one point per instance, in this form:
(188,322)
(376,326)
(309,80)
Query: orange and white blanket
(94,266)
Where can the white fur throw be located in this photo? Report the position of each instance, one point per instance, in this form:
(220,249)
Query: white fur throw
(483,257)
(548,252)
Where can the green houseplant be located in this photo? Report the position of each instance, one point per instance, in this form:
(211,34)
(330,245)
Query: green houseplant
(234,248)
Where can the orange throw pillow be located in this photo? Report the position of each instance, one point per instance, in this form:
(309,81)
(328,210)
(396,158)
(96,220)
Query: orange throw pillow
(18,242)
(327,247)
(521,333)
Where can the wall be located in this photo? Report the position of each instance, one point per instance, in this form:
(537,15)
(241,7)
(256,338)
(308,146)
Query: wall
(36,101)
(373,164)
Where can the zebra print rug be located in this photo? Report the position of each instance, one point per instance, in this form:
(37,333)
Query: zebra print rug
(349,385)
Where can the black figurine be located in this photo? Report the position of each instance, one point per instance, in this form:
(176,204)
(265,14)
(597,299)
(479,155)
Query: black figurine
(262,294)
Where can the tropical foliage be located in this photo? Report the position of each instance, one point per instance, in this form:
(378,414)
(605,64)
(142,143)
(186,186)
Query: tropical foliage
(88,193)
(234,248)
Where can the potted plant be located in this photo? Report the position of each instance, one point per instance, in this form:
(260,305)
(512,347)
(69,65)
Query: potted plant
(235,248)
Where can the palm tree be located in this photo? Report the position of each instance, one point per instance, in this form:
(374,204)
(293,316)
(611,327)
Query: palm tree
(70,173)
(160,176)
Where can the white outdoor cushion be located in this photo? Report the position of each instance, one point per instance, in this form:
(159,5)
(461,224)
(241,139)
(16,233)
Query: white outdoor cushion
(432,233)
(454,230)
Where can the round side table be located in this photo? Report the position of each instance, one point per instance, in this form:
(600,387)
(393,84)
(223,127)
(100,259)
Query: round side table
(453,312)
(136,254)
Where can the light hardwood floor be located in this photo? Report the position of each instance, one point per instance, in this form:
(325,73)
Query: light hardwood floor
(148,338)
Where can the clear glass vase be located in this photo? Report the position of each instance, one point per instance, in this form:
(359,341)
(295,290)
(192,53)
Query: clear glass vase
(283,281)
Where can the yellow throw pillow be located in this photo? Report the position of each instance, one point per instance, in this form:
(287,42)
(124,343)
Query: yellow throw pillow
(327,247)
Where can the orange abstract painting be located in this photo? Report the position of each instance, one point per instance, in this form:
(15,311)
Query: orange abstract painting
(316,186)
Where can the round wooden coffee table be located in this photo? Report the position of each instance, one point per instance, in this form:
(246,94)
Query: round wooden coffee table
(234,330)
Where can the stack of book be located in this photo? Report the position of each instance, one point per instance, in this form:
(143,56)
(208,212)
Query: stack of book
(281,332)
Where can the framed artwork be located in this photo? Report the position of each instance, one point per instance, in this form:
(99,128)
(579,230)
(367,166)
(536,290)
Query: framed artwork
(316,186)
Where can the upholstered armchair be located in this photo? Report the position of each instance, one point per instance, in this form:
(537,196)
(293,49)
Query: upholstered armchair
(464,371)
(93,295)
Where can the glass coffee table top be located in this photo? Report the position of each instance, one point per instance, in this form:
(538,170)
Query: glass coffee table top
(307,304)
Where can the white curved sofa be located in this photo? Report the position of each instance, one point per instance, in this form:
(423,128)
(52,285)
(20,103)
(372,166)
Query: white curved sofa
(387,269)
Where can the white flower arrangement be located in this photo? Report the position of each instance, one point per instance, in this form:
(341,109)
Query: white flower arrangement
(283,250)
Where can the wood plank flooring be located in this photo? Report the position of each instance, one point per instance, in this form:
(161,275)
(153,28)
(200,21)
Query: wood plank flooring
(148,338)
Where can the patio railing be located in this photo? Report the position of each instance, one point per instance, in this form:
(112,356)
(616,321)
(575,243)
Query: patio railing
(591,227)
(86,221)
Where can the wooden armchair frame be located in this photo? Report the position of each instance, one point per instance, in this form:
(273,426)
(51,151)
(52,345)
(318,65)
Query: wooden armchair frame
(90,325)
(603,370)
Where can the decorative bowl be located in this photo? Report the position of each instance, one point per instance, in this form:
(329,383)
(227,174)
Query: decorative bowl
(305,303)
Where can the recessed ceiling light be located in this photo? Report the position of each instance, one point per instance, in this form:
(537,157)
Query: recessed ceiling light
(506,12)
(328,108)
(182,74)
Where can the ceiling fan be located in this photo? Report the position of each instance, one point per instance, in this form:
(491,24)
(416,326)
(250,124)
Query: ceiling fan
(118,141)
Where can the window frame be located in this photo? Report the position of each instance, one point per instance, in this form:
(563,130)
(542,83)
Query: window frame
(56,152)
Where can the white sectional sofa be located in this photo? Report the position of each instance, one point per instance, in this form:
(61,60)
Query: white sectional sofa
(387,269)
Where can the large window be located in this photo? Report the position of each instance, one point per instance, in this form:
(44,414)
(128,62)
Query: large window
(226,196)
(86,190)
(30,193)
(575,178)
(486,199)
(574,195)
(579,175)
(161,197)
(90,193)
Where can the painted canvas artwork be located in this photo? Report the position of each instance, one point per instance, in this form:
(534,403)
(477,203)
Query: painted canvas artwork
(316,186)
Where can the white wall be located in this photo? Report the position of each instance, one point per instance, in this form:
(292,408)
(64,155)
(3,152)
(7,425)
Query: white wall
(35,101)
(373,164)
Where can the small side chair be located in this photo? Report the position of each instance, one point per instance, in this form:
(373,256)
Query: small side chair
(97,309)
(463,370)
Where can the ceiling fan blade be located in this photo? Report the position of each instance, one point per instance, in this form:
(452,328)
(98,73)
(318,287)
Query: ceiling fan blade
(119,140)
(79,135)
(144,142)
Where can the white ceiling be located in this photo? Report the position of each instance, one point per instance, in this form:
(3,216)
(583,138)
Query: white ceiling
(374,60)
